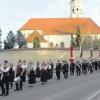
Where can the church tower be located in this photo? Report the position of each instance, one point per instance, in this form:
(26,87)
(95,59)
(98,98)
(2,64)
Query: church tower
(76,8)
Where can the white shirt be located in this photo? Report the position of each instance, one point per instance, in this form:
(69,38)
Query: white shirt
(5,70)
(24,66)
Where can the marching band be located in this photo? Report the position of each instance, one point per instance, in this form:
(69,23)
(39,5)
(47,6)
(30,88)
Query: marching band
(43,72)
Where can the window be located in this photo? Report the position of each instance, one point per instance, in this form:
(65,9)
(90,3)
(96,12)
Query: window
(62,45)
(73,10)
(77,9)
(51,45)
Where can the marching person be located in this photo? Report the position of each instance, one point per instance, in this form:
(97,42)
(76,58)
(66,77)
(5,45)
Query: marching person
(18,79)
(91,67)
(48,71)
(52,67)
(78,70)
(43,73)
(1,83)
(58,69)
(24,67)
(31,75)
(72,68)
(38,66)
(11,75)
(5,79)
(65,68)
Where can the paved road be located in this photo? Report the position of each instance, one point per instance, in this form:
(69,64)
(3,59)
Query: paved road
(74,88)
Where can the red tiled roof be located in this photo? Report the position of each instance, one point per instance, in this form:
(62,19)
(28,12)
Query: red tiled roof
(53,26)
(33,35)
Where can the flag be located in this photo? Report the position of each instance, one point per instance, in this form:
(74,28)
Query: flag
(71,50)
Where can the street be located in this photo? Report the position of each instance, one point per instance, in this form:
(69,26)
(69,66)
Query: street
(85,87)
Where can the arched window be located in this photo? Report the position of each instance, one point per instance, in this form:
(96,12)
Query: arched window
(62,45)
(51,45)
(73,10)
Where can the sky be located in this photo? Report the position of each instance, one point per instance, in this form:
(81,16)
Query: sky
(15,13)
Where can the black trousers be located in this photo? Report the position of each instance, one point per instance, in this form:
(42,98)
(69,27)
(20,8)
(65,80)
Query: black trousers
(5,87)
(19,85)
(58,75)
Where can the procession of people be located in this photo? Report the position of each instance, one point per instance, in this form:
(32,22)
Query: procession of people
(23,72)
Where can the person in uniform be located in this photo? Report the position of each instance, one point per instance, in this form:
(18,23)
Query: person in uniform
(31,75)
(48,71)
(1,83)
(65,68)
(19,71)
(58,69)
(72,68)
(78,70)
(5,79)
(24,67)
(38,66)
(11,75)
(84,67)
(43,73)
(90,67)
(52,67)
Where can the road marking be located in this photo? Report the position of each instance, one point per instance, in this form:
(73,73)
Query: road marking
(93,95)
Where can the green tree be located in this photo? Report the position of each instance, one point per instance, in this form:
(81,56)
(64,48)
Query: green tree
(10,41)
(73,42)
(36,42)
(96,42)
(87,41)
(78,37)
(20,39)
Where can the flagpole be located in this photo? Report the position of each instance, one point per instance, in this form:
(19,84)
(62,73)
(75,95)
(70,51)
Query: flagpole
(71,51)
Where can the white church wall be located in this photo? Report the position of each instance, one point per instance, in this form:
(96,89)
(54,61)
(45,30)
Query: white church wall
(30,45)
(42,44)
(57,39)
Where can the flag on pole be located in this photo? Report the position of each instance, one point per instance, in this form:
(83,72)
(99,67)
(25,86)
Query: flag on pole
(71,50)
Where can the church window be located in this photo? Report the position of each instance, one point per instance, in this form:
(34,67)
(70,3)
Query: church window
(51,45)
(73,10)
(62,45)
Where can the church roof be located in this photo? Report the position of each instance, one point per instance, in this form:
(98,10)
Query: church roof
(35,34)
(59,26)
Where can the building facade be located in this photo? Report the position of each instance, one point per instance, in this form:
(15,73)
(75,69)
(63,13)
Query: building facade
(56,32)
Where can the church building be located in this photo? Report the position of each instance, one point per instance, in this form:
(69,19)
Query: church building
(56,32)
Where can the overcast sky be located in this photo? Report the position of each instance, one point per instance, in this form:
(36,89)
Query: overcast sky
(14,13)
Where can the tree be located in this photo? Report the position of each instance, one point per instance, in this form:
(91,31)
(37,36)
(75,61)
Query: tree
(87,41)
(10,41)
(96,42)
(20,39)
(78,37)
(73,42)
(36,42)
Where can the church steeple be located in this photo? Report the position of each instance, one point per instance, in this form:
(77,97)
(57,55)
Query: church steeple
(75,8)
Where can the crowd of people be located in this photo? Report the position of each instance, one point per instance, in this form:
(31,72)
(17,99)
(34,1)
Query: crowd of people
(44,71)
